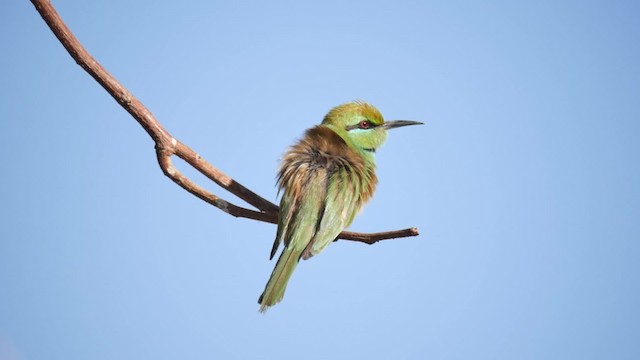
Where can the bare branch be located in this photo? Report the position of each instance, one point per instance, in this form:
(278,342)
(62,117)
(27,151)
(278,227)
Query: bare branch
(167,145)
(372,238)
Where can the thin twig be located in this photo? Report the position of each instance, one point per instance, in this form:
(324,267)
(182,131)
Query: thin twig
(167,145)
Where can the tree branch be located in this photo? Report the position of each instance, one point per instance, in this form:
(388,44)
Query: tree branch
(167,145)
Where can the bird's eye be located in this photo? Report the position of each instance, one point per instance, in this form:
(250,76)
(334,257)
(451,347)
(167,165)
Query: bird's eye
(364,124)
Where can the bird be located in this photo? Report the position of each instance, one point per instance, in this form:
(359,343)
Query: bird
(325,179)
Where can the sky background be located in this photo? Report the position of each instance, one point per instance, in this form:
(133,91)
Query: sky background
(524,182)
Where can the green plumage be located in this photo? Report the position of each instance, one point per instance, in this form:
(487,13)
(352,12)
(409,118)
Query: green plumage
(325,179)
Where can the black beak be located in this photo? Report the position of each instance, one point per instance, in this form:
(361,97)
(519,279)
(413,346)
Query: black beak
(398,123)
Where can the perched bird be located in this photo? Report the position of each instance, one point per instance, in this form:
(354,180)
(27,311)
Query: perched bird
(325,179)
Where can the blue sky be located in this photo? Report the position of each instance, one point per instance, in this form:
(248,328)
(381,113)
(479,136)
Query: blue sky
(523,182)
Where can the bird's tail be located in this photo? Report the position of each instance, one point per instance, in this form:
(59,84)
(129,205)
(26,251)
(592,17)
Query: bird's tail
(277,284)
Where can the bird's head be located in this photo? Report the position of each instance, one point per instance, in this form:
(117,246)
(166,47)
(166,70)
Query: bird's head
(362,124)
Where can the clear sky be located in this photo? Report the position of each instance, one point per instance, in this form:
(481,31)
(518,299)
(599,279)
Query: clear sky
(524,182)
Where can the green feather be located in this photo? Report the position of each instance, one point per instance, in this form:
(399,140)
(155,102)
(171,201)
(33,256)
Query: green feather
(296,234)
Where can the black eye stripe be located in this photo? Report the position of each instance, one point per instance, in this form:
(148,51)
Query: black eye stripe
(357,126)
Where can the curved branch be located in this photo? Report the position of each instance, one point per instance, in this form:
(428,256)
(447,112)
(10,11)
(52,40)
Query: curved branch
(167,145)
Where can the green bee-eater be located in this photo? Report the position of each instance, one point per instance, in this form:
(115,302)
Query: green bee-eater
(325,179)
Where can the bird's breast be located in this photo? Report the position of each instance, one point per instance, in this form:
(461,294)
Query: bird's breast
(322,152)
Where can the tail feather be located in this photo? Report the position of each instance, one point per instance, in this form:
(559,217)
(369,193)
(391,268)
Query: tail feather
(277,284)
